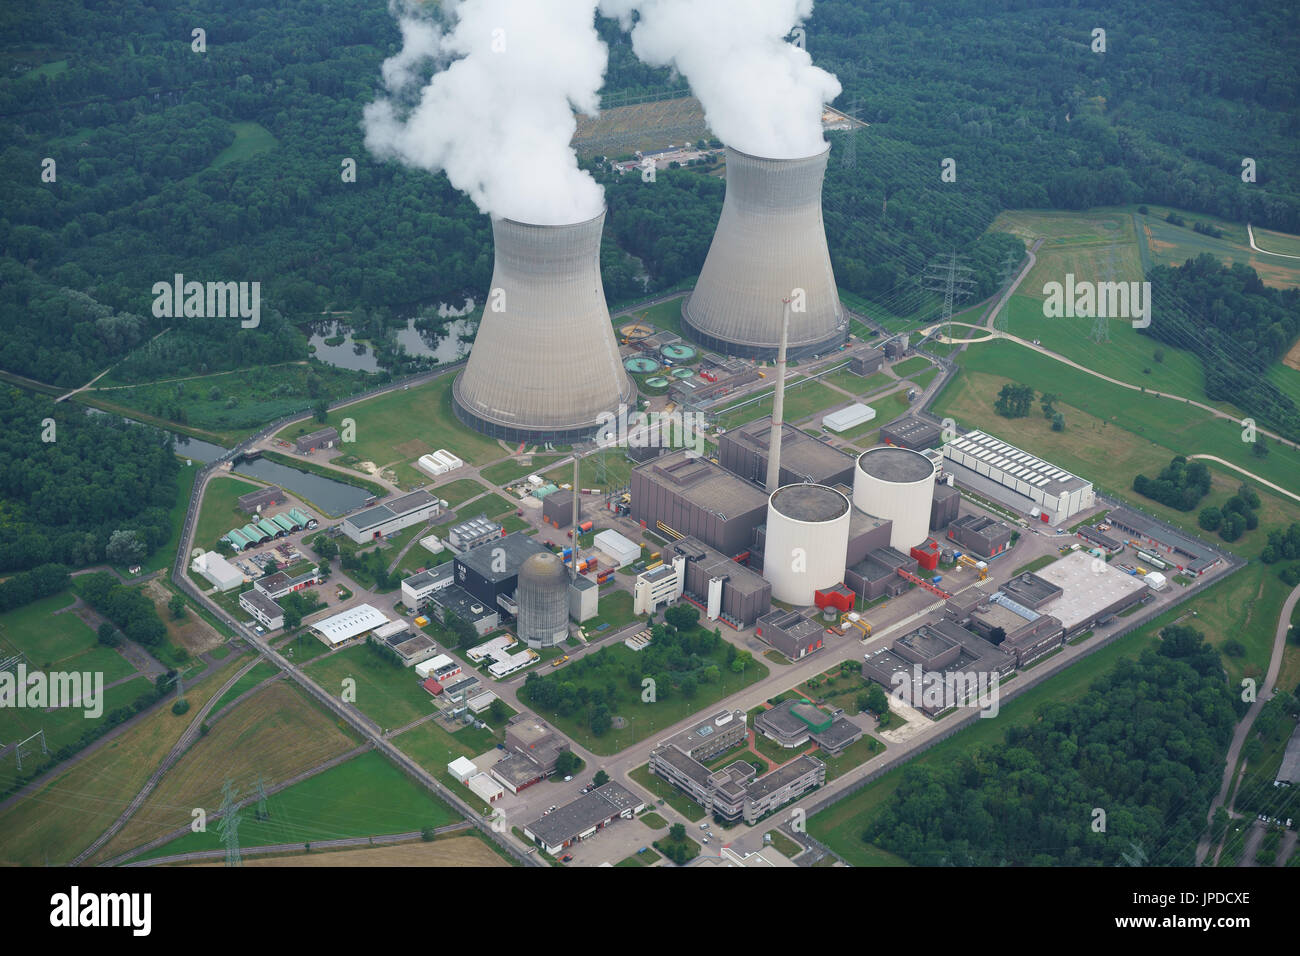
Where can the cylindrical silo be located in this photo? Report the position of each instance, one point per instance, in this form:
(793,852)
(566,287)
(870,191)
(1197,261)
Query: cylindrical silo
(896,484)
(543,599)
(770,241)
(545,363)
(807,541)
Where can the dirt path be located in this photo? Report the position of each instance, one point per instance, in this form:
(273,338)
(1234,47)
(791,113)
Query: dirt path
(1250,233)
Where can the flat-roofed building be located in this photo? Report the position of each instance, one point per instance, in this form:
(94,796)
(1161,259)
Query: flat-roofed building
(223,575)
(535,740)
(264,610)
(277,585)
(467,607)
(1013,477)
(659,586)
(580,819)
(418,588)
(473,532)
(517,773)
(1099,539)
(327,437)
(744,452)
(486,788)
(256,501)
(945,507)
(866,361)
(1092,591)
(350,623)
(383,520)
(910,432)
(697,498)
(979,534)
(793,634)
(492,572)
(937,666)
(877,576)
(724,588)
(1186,554)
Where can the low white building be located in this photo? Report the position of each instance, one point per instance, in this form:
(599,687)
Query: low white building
(431,667)
(462,768)
(1156,581)
(439,463)
(620,550)
(659,586)
(382,520)
(495,648)
(348,624)
(223,575)
(481,702)
(850,417)
(506,666)
(433,544)
(418,588)
(485,787)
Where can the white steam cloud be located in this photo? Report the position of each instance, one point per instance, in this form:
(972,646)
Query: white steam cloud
(760,93)
(497,116)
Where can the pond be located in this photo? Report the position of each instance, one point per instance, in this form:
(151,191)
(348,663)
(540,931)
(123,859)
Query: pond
(333,497)
(442,341)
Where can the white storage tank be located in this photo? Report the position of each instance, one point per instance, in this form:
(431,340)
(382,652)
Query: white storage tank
(896,484)
(807,541)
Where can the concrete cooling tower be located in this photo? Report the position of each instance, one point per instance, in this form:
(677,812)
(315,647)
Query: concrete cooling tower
(770,240)
(806,542)
(545,363)
(543,599)
(898,485)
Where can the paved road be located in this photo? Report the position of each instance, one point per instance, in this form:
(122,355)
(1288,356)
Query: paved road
(1250,233)
(1263,694)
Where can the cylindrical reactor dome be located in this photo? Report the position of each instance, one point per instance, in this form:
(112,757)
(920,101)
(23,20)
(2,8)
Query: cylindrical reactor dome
(543,599)
(896,484)
(807,541)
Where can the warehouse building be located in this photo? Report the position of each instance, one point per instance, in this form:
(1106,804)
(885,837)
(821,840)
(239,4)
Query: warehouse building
(516,772)
(960,661)
(694,497)
(255,501)
(1017,479)
(979,534)
(877,576)
(619,549)
(456,600)
(744,452)
(848,417)
(791,633)
(487,789)
(350,623)
(1027,635)
(277,585)
(911,432)
(472,533)
(582,818)
(725,589)
(1186,554)
(1093,591)
(383,520)
(302,519)
(1097,539)
(325,438)
(223,575)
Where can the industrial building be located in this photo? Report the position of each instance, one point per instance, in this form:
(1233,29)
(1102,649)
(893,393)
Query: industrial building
(277,585)
(793,723)
(456,600)
(535,740)
(223,575)
(1017,479)
(1093,591)
(770,240)
(493,649)
(413,648)
(325,438)
(580,819)
(1012,612)
(485,788)
(517,772)
(1186,554)
(960,659)
(348,624)
(418,588)
(806,541)
(620,549)
(439,463)
(851,416)
(1097,539)
(547,299)
(980,534)
(659,586)
(910,432)
(510,663)
(255,501)
(492,573)
(725,589)
(744,452)
(897,485)
(472,533)
(867,361)
(876,575)
(265,611)
(944,507)
(542,597)
(383,520)
(462,768)
(791,633)
(694,497)
(557,511)
(584,599)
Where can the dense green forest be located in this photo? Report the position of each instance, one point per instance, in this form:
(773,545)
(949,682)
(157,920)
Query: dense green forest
(64,500)
(1145,745)
(226,164)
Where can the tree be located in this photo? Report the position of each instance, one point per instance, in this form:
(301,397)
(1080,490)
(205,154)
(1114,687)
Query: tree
(428,834)
(877,700)
(997,635)
(497,711)
(1259,449)
(1210,518)
(1014,401)
(600,779)
(109,635)
(124,547)
(321,411)
(601,720)
(567,763)
(684,617)
(689,687)
(177,606)
(1058,422)
(677,832)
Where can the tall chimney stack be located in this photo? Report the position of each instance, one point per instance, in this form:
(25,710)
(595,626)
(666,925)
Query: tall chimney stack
(778,407)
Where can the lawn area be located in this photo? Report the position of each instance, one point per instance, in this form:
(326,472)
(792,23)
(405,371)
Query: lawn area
(653,820)
(775,752)
(457,492)
(664,790)
(784,845)
(163,556)
(77,806)
(400,426)
(642,718)
(840,825)
(887,408)
(47,637)
(909,367)
(618,471)
(367,796)
(386,693)
(665,315)
(275,735)
(250,140)
(1037,564)
(858,384)
(505,472)
(856,754)
(615,610)
(220,512)
(494,506)
(801,401)
(692,848)
(648,858)
(433,748)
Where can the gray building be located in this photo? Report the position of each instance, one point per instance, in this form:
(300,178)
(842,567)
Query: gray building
(472,532)
(580,819)
(936,666)
(979,534)
(945,507)
(256,501)
(721,586)
(910,432)
(744,452)
(491,571)
(1184,553)
(1015,478)
(867,361)
(793,723)
(791,633)
(325,438)
(877,576)
(386,519)
(485,617)
(695,497)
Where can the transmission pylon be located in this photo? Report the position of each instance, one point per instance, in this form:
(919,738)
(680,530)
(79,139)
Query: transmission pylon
(946,274)
(1009,267)
(262,812)
(21,747)
(228,825)
(1100,323)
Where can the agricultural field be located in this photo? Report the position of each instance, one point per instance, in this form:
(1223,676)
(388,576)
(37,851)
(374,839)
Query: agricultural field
(621,130)
(68,813)
(1278,242)
(274,735)
(366,796)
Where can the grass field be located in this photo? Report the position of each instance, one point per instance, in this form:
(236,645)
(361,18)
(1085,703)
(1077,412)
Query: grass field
(433,748)
(654,821)
(251,139)
(259,673)
(857,384)
(1279,242)
(456,493)
(664,790)
(387,694)
(274,735)
(454,851)
(912,366)
(506,472)
(220,511)
(366,796)
(617,472)
(800,403)
(54,824)
(784,845)
(642,718)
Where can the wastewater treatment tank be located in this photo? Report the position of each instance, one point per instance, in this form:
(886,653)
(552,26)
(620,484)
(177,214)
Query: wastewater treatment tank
(678,352)
(641,365)
(682,373)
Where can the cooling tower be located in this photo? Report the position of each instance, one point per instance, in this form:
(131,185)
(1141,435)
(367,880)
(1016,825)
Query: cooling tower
(545,364)
(770,240)
(543,599)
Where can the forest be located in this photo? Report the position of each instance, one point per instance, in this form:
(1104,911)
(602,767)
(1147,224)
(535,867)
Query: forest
(1181,484)
(1145,744)
(225,165)
(70,480)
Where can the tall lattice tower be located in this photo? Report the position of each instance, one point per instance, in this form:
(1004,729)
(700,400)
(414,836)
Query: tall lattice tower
(946,274)
(228,825)
(1100,323)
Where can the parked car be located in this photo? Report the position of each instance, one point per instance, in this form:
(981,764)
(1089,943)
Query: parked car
(566,858)
(706,839)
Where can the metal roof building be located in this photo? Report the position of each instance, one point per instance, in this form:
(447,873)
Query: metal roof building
(1016,478)
(349,623)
